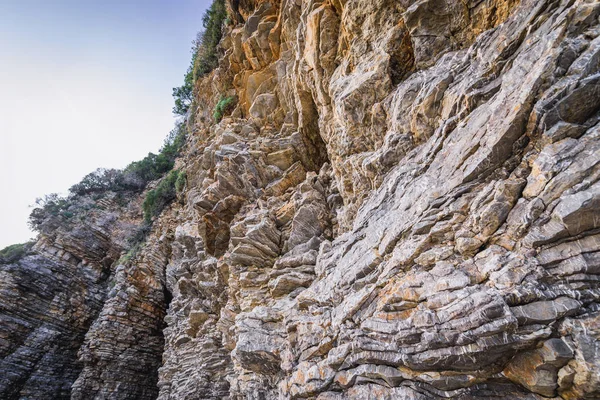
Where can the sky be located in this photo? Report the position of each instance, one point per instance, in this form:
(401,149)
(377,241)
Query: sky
(84,84)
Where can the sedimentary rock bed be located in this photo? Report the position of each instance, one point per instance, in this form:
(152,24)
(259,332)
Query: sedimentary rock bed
(404,204)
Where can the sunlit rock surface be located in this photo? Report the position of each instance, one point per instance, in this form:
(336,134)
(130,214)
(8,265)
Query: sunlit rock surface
(404,204)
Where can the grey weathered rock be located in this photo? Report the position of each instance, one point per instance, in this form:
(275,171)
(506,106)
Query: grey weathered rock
(404,204)
(49,300)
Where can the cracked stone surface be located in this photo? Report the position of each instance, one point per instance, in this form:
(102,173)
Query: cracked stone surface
(404,204)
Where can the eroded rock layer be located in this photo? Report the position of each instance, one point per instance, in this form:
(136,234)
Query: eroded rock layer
(404,204)
(49,300)
(445,242)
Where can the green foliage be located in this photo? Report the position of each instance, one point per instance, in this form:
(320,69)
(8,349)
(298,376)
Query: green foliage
(98,181)
(136,175)
(180,182)
(130,255)
(224,106)
(50,210)
(15,252)
(184,94)
(205,57)
(53,210)
(157,199)
(153,166)
(175,141)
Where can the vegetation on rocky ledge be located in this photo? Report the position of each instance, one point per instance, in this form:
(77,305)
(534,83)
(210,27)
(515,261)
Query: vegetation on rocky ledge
(15,252)
(224,106)
(53,210)
(157,199)
(205,55)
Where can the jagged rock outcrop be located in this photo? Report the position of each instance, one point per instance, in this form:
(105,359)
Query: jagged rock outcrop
(122,348)
(49,300)
(462,145)
(403,205)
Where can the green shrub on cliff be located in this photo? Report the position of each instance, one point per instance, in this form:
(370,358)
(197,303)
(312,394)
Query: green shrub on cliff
(136,175)
(157,199)
(205,56)
(180,182)
(98,181)
(15,252)
(49,212)
(53,211)
(153,166)
(183,95)
(150,168)
(224,107)
(130,255)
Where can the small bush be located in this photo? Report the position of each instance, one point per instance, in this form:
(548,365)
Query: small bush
(15,252)
(130,255)
(139,173)
(184,95)
(99,181)
(224,107)
(157,199)
(180,182)
(49,211)
(175,141)
(205,57)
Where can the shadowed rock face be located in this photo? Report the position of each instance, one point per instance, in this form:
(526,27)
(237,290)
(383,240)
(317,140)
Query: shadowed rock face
(403,205)
(46,309)
(49,300)
(75,323)
(121,352)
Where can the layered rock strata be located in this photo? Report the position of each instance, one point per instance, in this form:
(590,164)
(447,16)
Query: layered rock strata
(457,205)
(49,300)
(403,204)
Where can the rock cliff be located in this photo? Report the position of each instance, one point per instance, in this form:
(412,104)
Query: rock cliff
(404,204)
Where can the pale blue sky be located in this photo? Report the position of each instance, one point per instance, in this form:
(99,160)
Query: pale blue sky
(83,84)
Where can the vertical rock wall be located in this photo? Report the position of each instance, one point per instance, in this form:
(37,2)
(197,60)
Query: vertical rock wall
(49,300)
(404,204)
(442,247)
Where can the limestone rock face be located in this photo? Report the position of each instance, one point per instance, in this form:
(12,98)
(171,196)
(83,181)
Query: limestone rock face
(403,205)
(454,234)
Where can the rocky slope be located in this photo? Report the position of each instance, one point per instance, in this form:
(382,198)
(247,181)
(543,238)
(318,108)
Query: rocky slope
(403,205)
